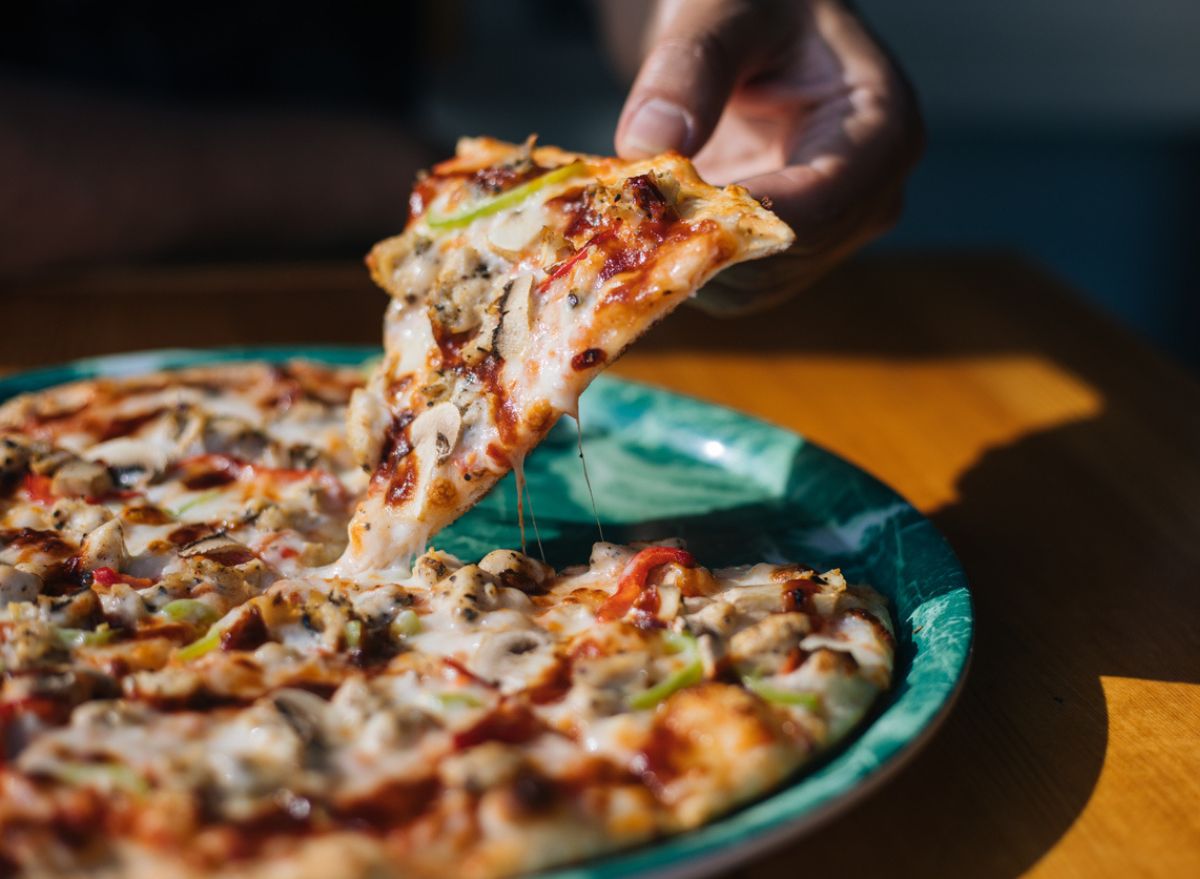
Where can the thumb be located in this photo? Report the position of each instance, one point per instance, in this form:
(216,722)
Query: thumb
(702,49)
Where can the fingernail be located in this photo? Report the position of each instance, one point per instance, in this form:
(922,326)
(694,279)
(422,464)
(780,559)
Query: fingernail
(657,126)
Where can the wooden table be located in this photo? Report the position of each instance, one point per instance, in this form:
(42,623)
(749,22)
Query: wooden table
(1059,455)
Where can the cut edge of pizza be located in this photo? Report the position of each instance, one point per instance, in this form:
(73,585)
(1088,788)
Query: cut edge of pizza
(523,271)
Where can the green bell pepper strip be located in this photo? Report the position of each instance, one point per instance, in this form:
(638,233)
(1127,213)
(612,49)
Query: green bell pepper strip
(406,624)
(464,700)
(210,641)
(189,610)
(110,775)
(354,632)
(508,199)
(72,638)
(692,673)
(780,696)
(195,502)
(680,642)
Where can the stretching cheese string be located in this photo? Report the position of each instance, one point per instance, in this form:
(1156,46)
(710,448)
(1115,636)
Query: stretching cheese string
(519,473)
(523,491)
(586,479)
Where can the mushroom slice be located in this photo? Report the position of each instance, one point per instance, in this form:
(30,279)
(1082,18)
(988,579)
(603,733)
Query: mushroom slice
(366,422)
(514,231)
(516,570)
(79,478)
(763,647)
(221,549)
(514,660)
(18,585)
(437,429)
(104,547)
(132,460)
(14,457)
(435,433)
(514,322)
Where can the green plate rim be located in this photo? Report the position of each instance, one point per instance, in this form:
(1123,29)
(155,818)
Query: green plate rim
(820,791)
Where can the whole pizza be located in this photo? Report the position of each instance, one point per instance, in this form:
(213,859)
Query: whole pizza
(230,647)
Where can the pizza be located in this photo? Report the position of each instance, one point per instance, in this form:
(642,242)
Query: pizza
(189,691)
(213,667)
(522,272)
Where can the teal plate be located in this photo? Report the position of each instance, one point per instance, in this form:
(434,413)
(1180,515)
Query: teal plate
(738,490)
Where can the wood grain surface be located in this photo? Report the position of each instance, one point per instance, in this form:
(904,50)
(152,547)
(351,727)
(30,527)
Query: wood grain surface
(1059,455)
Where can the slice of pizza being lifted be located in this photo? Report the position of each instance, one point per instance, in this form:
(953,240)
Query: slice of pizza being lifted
(522,272)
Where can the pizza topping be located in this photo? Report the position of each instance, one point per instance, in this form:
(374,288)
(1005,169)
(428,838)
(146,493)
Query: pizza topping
(516,709)
(105,777)
(634,589)
(72,638)
(508,199)
(764,646)
(132,462)
(104,547)
(517,230)
(510,723)
(781,696)
(588,359)
(690,672)
(195,612)
(515,570)
(39,489)
(14,458)
(18,585)
(515,660)
(80,478)
(405,624)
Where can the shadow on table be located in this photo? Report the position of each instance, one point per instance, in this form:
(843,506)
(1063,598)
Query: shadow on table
(1019,757)
(1074,578)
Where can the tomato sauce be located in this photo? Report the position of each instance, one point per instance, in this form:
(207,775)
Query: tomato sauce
(510,724)
(587,359)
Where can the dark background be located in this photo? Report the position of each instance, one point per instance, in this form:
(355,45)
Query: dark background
(1067,131)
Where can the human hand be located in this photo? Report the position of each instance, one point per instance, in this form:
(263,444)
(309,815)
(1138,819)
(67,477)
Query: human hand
(795,101)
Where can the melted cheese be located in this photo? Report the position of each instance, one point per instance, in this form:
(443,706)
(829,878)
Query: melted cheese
(506,306)
(475,644)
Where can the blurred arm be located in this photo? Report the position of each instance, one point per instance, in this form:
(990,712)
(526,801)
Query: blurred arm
(88,177)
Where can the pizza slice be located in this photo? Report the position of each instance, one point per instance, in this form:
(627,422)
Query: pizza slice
(522,272)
